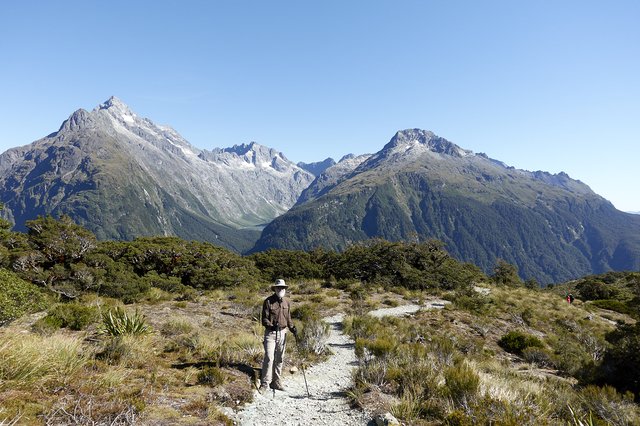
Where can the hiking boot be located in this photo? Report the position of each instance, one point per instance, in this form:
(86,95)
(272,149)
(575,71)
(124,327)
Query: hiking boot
(263,389)
(277,386)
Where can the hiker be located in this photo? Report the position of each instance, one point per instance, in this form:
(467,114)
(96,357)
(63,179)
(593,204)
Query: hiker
(276,318)
(570,298)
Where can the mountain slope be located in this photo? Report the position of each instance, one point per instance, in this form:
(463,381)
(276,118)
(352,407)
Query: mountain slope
(123,176)
(422,186)
(331,176)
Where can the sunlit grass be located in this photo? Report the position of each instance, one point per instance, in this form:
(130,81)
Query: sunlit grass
(31,360)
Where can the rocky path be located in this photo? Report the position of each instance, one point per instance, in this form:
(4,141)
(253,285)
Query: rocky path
(327,382)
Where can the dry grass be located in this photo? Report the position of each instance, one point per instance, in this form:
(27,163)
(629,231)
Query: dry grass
(29,360)
(158,378)
(509,390)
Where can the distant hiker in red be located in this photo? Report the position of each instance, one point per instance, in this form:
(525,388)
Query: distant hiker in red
(570,298)
(276,318)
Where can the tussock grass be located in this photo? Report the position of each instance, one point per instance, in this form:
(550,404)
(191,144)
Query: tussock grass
(30,360)
(177,325)
(132,351)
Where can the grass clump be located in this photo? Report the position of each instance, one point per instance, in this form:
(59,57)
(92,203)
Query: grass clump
(30,360)
(313,336)
(212,376)
(462,384)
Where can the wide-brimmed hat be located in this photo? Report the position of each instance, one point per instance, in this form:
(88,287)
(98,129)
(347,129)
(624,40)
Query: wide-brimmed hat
(279,283)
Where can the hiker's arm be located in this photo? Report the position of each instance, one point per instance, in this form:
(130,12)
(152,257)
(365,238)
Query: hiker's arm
(290,324)
(266,320)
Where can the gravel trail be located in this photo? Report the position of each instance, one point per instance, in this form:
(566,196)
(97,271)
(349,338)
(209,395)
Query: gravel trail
(327,382)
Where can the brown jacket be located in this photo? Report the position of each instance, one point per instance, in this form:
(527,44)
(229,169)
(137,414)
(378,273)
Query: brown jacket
(275,311)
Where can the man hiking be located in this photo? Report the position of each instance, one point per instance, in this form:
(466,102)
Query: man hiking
(276,318)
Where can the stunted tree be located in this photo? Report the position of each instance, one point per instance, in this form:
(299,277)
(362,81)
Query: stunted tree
(60,241)
(56,247)
(506,274)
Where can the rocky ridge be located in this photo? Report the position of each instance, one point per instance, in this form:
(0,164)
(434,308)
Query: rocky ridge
(421,186)
(122,176)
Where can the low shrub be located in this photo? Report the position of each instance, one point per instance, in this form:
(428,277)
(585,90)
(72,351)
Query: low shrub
(363,326)
(516,342)
(17,297)
(247,349)
(73,316)
(469,300)
(133,351)
(390,302)
(380,347)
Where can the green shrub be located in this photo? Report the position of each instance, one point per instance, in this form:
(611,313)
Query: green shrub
(73,316)
(117,322)
(621,364)
(363,326)
(164,282)
(390,302)
(17,297)
(469,300)
(516,342)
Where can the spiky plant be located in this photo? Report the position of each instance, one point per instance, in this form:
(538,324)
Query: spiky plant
(118,322)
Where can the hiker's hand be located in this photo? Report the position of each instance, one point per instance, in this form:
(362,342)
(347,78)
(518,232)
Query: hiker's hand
(294,330)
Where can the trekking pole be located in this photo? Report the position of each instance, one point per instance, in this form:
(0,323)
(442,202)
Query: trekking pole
(305,380)
(304,374)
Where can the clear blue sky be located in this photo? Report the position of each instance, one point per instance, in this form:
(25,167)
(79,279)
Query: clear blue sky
(541,85)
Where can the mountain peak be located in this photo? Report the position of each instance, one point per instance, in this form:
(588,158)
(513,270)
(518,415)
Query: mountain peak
(112,102)
(116,107)
(426,139)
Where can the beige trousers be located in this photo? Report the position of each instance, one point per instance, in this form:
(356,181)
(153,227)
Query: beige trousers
(274,346)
